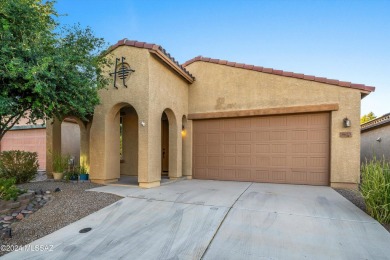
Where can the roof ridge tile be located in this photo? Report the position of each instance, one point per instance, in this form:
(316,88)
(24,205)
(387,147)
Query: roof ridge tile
(282,73)
(151,46)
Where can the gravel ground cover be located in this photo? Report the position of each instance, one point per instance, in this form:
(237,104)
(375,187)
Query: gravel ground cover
(356,198)
(67,206)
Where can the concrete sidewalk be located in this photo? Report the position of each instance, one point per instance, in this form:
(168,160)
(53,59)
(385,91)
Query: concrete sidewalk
(195,219)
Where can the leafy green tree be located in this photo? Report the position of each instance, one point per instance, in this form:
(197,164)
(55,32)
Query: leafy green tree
(46,71)
(368,117)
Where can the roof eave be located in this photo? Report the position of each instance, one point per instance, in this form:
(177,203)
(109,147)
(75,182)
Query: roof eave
(365,90)
(171,64)
(160,53)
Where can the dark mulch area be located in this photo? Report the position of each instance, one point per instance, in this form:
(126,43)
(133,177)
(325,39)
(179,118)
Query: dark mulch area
(356,198)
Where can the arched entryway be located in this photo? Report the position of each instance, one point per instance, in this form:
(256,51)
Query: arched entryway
(170,145)
(69,136)
(122,146)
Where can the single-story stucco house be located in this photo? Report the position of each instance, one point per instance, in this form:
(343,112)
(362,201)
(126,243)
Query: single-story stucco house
(375,139)
(218,120)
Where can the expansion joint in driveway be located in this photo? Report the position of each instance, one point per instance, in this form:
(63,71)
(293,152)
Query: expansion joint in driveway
(220,224)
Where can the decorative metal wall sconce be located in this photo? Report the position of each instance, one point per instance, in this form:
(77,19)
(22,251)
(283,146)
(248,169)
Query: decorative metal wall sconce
(346,122)
(183,131)
(122,72)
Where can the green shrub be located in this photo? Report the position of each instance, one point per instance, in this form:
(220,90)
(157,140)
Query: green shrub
(8,189)
(21,165)
(375,189)
(60,162)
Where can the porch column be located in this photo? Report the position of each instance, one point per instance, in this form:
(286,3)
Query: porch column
(53,143)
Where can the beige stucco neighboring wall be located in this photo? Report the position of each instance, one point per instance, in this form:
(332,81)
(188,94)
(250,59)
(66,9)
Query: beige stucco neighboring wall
(370,147)
(221,88)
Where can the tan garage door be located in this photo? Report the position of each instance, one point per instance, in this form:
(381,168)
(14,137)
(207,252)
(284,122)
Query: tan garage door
(278,149)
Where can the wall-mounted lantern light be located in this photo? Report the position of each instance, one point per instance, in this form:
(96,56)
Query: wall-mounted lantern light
(143,123)
(346,122)
(183,131)
(379,139)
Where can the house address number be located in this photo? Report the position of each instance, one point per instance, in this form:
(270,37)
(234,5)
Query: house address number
(345,134)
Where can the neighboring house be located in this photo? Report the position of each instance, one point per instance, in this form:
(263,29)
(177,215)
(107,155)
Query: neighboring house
(32,138)
(375,136)
(219,120)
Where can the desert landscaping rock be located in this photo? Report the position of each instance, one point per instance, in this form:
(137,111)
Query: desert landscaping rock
(53,211)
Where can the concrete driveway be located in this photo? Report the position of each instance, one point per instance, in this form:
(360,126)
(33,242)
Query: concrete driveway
(196,219)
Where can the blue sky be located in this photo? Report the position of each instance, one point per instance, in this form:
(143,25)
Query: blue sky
(344,40)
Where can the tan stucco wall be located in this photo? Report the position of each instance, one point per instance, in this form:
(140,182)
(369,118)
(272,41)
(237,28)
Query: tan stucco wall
(222,88)
(168,92)
(104,136)
(152,89)
(371,147)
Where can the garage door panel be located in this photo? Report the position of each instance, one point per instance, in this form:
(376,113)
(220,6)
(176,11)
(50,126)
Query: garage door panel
(299,134)
(297,177)
(200,149)
(262,148)
(229,148)
(229,137)
(213,160)
(279,161)
(243,149)
(299,162)
(262,136)
(260,122)
(260,175)
(229,124)
(213,173)
(243,136)
(229,160)
(263,161)
(214,148)
(278,176)
(213,138)
(279,149)
(318,162)
(297,121)
(319,120)
(320,148)
(277,122)
(278,136)
(299,148)
(200,138)
(245,123)
(318,134)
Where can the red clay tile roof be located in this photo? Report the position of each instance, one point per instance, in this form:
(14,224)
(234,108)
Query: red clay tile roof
(282,73)
(151,46)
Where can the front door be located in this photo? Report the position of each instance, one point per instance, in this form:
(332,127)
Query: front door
(164,146)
